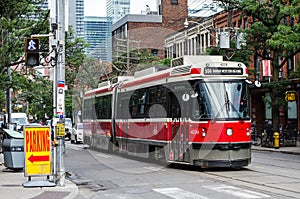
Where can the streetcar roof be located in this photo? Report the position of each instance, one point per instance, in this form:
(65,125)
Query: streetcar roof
(191,66)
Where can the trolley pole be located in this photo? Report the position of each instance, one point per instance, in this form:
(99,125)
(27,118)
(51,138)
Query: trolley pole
(57,22)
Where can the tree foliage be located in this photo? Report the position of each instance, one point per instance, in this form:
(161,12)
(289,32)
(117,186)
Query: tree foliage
(274,31)
(128,65)
(19,19)
(75,56)
(273,34)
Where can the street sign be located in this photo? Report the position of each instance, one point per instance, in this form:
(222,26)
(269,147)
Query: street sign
(60,98)
(60,129)
(290,96)
(37,147)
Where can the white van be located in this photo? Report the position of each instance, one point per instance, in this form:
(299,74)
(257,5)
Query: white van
(18,118)
(77,133)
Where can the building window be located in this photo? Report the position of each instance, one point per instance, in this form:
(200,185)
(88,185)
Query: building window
(198,44)
(245,23)
(154,52)
(257,67)
(174,2)
(291,64)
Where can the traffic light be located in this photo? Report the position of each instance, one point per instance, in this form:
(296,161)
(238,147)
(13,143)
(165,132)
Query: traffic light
(32,49)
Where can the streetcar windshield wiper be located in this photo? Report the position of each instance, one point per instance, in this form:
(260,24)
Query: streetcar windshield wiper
(227,104)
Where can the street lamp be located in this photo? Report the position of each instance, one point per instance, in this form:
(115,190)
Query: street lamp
(186,25)
(223,38)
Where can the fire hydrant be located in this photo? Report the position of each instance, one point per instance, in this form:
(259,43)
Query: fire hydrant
(276,140)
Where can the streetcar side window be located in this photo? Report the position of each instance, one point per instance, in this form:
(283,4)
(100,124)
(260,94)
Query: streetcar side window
(175,110)
(123,106)
(149,102)
(152,95)
(103,105)
(89,108)
(133,105)
(142,102)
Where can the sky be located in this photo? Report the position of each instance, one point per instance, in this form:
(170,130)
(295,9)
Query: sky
(98,7)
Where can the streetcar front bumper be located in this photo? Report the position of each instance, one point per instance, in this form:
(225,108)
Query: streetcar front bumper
(221,154)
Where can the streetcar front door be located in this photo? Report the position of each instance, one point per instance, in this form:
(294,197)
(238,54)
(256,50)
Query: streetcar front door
(178,150)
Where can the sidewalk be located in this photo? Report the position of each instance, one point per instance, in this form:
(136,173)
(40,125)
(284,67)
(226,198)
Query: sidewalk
(289,150)
(11,186)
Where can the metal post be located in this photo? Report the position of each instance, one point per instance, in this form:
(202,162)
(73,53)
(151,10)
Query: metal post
(57,22)
(8,98)
(60,102)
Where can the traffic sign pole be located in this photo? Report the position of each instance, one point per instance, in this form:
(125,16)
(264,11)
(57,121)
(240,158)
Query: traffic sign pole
(57,22)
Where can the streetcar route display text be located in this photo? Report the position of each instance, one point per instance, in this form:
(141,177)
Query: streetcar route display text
(222,71)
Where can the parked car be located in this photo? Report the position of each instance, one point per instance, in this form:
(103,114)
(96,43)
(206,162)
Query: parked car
(68,128)
(19,119)
(77,133)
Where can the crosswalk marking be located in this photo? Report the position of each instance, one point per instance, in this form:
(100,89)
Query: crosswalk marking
(238,192)
(177,193)
(154,168)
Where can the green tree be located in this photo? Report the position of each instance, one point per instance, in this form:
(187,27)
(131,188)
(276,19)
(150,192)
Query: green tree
(128,66)
(75,58)
(37,93)
(19,19)
(274,34)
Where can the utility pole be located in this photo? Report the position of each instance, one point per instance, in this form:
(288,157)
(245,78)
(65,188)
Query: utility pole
(57,22)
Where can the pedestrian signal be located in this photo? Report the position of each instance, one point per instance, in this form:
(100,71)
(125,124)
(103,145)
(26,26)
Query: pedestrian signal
(32,52)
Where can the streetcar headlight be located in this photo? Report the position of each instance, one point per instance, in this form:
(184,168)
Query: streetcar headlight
(248,132)
(203,133)
(229,132)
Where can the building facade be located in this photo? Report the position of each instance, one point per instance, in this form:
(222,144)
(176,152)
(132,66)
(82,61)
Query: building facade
(116,9)
(76,17)
(148,31)
(98,35)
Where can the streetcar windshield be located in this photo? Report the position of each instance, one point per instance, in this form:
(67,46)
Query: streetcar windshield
(224,100)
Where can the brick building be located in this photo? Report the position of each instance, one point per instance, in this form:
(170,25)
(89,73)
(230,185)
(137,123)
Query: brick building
(148,31)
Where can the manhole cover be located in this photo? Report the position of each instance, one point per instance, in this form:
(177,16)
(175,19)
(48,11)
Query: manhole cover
(52,195)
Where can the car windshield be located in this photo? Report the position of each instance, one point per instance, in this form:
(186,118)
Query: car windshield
(220,100)
(68,122)
(19,121)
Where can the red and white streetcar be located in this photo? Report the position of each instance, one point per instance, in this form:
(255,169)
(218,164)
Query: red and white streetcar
(195,112)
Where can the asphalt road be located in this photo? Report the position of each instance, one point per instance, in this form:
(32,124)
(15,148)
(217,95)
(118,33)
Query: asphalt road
(102,175)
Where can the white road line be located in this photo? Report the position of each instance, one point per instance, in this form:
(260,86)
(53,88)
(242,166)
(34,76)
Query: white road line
(177,193)
(238,192)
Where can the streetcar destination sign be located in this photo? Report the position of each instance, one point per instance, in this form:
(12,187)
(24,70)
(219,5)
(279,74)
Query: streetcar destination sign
(37,147)
(222,71)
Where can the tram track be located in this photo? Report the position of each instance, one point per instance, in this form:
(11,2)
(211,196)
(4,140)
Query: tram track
(271,187)
(260,174)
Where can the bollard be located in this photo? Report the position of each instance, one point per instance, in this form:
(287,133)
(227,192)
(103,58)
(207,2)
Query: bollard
(276,140)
